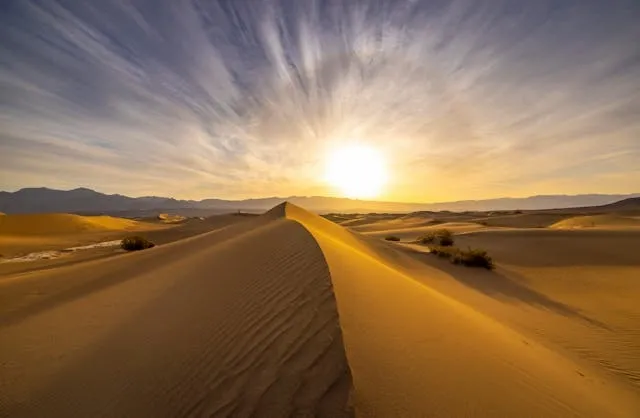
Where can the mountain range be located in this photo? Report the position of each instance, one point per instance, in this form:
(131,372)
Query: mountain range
(87,201)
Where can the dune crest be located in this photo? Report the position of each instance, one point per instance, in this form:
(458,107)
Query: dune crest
(413,351)
(237,322)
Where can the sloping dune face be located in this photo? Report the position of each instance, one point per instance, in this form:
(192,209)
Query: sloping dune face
(415,352)
(598,221)
(62,223)
(235,323)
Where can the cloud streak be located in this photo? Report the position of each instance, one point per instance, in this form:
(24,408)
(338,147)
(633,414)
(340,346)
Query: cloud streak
(239,99)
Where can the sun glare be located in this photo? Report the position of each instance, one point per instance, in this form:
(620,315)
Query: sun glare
(359,171)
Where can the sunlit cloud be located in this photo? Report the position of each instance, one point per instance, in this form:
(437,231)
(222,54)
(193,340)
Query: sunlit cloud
(237,99)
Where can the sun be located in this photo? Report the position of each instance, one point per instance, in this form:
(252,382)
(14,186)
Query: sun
(358,170)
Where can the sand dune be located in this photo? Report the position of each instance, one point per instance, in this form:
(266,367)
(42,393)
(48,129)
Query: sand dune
(289,314)
(549,247)
(369,226)
(414,351)
(523,220)
(372,223)
(598,221)
(64,223)
(23,236)
(238,322)
(168,218)
(413,233)
(23,253)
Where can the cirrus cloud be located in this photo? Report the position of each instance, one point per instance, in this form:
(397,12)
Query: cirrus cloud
(240,99)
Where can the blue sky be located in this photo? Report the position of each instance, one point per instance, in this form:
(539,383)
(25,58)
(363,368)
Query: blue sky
(244,98)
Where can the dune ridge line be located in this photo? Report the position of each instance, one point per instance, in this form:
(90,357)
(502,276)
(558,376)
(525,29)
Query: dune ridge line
(237,322)
(413,351)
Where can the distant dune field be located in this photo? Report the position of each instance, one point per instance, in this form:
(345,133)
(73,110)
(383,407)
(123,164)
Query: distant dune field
(51,240)
(290,314)
(64,223)
(412,233)
(24,234)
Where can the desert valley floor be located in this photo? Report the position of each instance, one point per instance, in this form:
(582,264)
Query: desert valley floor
(289,314)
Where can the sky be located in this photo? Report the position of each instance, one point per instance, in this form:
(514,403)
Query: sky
(245,98)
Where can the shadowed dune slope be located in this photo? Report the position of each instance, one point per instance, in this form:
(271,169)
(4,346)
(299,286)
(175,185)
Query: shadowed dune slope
(598,221)
(369,223)
(524,220)
(557,247)
(238,322)
(406,225)
(415,352)
(413,233)
(64,223)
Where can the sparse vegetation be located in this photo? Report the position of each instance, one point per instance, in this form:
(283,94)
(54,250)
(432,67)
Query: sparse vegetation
(446,241)
(442,237)
(473,258)
(469,258)
(136,243)
(392,238)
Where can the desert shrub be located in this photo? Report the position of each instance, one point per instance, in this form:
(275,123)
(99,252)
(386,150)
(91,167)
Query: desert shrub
(473,258)
(135,243)
(443,252)
(392,238)
(446,241)
(442,237)
(469,258)
(427,238)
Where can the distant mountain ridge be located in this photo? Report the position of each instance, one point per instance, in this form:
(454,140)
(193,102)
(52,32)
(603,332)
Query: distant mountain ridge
(632,203)
(83,200)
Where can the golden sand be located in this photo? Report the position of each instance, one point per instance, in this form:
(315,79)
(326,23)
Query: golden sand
(289,314)
(63,223)
(598,221)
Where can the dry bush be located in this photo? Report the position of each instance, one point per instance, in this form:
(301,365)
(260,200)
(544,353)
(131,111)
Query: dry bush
(442,237)
(469,258)
(136,243)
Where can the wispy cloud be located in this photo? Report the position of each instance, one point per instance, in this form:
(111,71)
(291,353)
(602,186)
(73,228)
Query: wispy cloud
(243,98)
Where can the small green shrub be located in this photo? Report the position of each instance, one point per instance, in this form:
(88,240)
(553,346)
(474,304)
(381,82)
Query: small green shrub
(469,258)
(392,238)
(442,237)
(136,243)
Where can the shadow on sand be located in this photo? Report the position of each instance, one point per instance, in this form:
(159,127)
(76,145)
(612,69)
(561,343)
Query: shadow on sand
(504,285)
